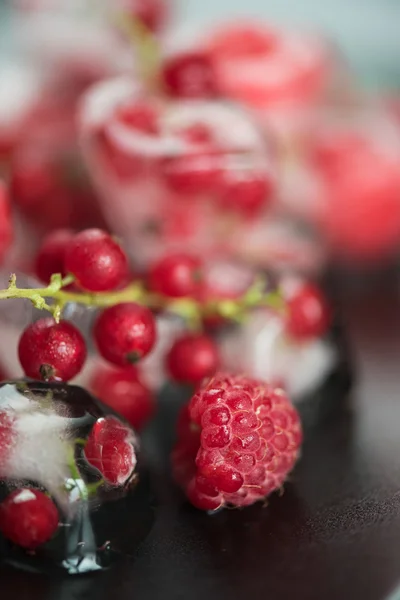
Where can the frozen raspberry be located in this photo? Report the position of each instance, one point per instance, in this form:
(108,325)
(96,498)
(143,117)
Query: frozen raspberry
(7,440)
(192,357)
(109,449)
(189,75)
(237,441)
(28,518)
(122,390)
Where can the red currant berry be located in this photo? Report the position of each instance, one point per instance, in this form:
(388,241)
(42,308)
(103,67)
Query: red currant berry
(28,518)
(52,351)
(192,358)
(97,261)
(190,75)
(308,313)
(31,182)
(176,276)
(50,258)
(122,390)
(140,117)
(125,333)
(152,13)
(245,190)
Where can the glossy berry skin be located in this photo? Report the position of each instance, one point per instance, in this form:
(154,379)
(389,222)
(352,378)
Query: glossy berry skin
(28,518)
(176,276)
(308,313)
(238,439)
(189,75)
(122,390)
(192,357)
(109,449)
(51,351)
(51,256)
(125,333)
(97,261)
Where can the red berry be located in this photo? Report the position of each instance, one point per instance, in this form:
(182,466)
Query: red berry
(190,75)
(140,117)
(192,358)
(97,261)
(308,313)
(152,13)
(194,173)
(124,333)
(245,190)
(31,182)
(237,441)
(28,518)
(109,449)
(122,391)
(50,258)
(52,351)
(176,276)
(6,230)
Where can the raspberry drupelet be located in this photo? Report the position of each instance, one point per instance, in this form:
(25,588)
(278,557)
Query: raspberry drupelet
(238,439)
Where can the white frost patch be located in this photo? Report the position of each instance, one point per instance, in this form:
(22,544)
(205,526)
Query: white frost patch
(24,496)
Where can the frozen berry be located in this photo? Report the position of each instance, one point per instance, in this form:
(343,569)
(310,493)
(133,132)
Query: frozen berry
(28,518)
(125,333)
(122,390)
(176,276)
(97,261)
(51,255)
(189,75)
(308,313)
(141,117)
(192,357)
(245,190)
(109,449)
(237,441)
(52,351)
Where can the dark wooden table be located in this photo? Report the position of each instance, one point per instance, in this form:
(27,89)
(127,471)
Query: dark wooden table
(333,535)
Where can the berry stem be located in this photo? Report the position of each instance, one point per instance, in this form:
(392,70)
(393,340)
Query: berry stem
(189,309)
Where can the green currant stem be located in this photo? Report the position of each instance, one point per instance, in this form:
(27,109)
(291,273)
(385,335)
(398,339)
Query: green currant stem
(189,309)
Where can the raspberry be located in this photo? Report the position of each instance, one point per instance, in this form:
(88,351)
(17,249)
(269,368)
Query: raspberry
(51,351)
(28,518)
(122,390)
(109,449)
(50,258)
(308,313)
(189,75)
(176,276)
(192,358)
(97,261)
(124,333)
(238,439)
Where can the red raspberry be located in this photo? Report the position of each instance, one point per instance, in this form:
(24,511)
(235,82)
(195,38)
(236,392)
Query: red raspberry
(176,276)
(97,261)
(50,258)
(109,449)
(51,351)
(189,75)
(122,390)
(28,518)
(308,313)
(192,358)
(124,333)
(237,441)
